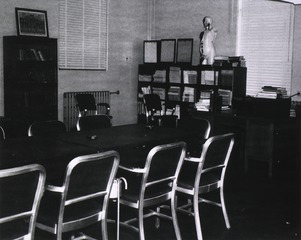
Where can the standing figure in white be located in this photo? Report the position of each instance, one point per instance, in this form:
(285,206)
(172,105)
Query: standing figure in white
(207,38)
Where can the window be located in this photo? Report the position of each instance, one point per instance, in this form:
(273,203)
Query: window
(83,34)
(265,39)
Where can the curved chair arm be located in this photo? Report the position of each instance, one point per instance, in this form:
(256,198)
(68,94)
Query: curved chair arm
(52,188)
(134,170)
(192,159)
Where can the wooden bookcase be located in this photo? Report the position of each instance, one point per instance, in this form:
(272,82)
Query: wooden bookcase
(184,85)
(30,80)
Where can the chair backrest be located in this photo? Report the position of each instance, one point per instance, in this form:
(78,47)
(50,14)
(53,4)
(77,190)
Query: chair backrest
(162,168)
(86,190)
(85,102)
(91,122)
(152,104)
(46,128)
(87,105)
(2,134)
(215,157)
(201,125)
(21,189)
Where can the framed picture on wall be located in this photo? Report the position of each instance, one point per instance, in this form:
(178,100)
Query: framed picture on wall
(184,50)
(151,51)
(168,51)
(31,22)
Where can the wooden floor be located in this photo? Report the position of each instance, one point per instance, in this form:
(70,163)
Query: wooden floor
(259,208)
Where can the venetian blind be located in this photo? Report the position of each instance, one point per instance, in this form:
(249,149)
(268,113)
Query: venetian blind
(83,34)
(265,39)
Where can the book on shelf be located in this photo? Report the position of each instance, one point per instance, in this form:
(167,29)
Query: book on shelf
(146,90)
(190,76)
(226,96)
(175,75)
(144,78)
(160,76)
(160,92)
(35,55)
(41,55)
(226,78)
(174,93)
(207,77)
(206,94)
(188,94)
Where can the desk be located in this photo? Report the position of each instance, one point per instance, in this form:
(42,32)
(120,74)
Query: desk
(128,139)
(270,140)
(54,153)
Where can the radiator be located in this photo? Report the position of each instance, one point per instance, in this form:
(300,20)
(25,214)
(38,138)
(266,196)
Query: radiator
(71,111)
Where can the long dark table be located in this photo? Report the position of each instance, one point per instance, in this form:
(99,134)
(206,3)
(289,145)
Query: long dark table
(132,142)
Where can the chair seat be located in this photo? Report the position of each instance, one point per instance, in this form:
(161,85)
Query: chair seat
(133,196)
(206,179)
(49,210)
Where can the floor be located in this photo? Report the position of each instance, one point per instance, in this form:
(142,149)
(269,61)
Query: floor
(259,208)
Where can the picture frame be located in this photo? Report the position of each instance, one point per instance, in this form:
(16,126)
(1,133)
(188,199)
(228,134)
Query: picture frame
(31,22)
(184,50)
(151,51)
(168,51)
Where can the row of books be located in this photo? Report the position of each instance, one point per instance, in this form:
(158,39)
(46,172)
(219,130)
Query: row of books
(31,54)
(188,94)
(234,61)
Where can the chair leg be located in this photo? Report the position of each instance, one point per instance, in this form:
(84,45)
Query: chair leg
(224,208)
(197,217)
(175,219)
(141,225)
(104,230)
(157,222)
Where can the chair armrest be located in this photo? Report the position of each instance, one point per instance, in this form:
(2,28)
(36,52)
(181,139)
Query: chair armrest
(134,170)
(192,159)
(106,105)
(52,188)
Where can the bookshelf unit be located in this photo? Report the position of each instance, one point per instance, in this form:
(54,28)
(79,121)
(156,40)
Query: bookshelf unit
(30,80)
(184,85)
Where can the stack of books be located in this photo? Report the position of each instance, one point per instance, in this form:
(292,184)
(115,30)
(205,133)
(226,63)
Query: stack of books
(272,92)
(203,104)
(160,76)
